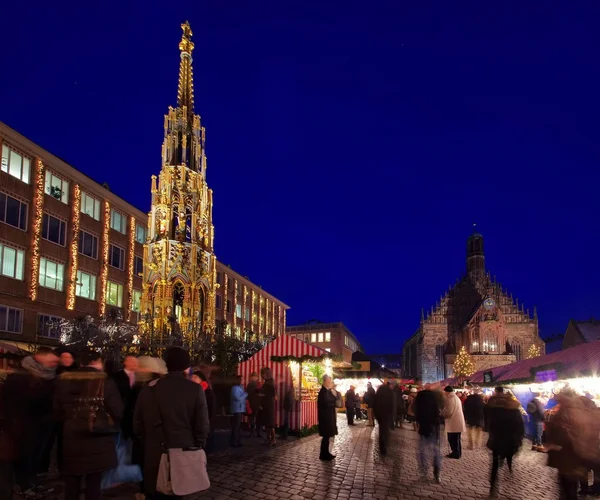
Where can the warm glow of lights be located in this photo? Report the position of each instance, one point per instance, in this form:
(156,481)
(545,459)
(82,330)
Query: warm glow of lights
(130,266)
(72,286)
(38,207)
(343,385)
(105,248)
(328,367)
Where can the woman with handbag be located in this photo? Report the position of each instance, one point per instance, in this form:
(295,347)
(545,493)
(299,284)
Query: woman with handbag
(89,406)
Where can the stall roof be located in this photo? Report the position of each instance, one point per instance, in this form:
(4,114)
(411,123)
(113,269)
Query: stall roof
(581,360)
(287,346)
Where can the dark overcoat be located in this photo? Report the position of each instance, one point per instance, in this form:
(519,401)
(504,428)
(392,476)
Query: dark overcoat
(327,413)
(384,404)
(474,409)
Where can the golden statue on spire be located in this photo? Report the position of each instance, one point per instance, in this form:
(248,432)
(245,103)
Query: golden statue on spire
(186,44)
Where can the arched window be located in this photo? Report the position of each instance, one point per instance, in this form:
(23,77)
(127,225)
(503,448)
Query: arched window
(516,349)
(440,357)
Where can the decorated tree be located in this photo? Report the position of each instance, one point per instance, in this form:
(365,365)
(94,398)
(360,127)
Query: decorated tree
(533,352)
(463,364)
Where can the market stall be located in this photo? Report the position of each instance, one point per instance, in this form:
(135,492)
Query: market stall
(295,365)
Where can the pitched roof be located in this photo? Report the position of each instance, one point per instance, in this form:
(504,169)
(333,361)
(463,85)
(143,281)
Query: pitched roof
(589,330)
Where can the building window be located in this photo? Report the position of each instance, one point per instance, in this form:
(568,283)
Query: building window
(320,337)
(247,314)
(313,338)
(57,187)
(49,326)
(15,164)
(238,332)
(238,310)
(140,234)
(114,294)
(138,266)
(11,262)
(54,230)
(51,274)
(90,206)
(86,285)
(88,244)
(13,211)
(11,319)
(116,257)
(327,336)
(239,290)
(219,277)
(219,303)
(228,304)
(136,299)
(117,221)
(229,283)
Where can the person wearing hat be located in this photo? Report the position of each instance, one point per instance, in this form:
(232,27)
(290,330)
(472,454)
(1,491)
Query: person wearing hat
(178,406)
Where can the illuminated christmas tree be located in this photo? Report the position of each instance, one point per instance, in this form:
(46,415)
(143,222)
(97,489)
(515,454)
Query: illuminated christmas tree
(533,352)
(463,364)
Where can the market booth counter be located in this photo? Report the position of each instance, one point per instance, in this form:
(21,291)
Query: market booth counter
(298,367)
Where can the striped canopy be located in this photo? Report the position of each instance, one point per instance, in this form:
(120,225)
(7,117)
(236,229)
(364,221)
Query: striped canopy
(284,345)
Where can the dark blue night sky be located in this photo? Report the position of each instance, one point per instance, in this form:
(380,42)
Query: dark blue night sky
(351,145)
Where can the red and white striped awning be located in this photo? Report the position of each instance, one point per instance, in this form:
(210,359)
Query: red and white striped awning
(284,345)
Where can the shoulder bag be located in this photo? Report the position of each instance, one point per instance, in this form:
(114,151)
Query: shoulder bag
(100,423)
(182,471)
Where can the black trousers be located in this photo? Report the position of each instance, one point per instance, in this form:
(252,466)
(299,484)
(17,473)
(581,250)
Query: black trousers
(455,444)
(350,415)
(568,487)
(92,486)
(384,435)
(236,432)
(325,447)
(496,464)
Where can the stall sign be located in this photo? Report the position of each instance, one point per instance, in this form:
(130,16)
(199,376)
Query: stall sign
(546,376)
(488,377)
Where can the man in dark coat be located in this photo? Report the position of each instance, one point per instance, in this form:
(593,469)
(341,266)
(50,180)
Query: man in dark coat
(125,380)
(327,416)
(173,407)
(506,432)
(384,410)
(254,402)
(29,393)
(86,455)
(427,415)
(350,404)
(370,402)
(473,410)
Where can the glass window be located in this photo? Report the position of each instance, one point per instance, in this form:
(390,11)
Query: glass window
(51,274)
(238,310)
(49,326)
(117,221)
(90,206)
(219,277)
(54,230)
(88,244)
(57,187)
(313,338)
(135,300)
(11,319)
(86,285)
(228,304)
(327,336)
(11,262)
(140,234)
(307,337)
(15,164)
(13,212)
(229,283)
(116,257)
(247,314)
(320,337)
(138,266)
(219,301)
(114,294)
(239,290)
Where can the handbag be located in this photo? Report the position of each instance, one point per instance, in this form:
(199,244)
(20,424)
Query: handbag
(100,423)
(181,471)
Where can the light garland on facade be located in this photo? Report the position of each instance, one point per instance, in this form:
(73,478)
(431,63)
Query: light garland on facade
(130,266)
(105,248)
(38,216)
(74,248)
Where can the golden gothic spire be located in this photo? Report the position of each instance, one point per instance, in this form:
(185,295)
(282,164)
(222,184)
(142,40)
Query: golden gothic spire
(185,91)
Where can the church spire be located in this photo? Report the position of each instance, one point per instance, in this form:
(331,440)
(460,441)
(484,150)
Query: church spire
(475,257)
(185,90)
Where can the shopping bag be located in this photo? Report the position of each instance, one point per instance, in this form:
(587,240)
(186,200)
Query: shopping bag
(125,472)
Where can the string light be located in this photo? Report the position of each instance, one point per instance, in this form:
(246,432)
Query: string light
(130,266)
(105,247)
(463,365)
(74,249)
(533,352)
(38,206)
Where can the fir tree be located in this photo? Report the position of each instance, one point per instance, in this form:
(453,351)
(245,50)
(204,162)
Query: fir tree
(533,352)
(463,364)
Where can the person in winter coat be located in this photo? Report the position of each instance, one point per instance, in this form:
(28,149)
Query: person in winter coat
(427,414)
(287,405)
(172,408)
(384,404)
(454,422)
(535,410)
(410,410)
(506,431)
(238,408)
(327,416)
(473,409)
(199,377)
(400,406)
(268,396)
(350,402)
(370,402)
(254,403)
(86,455)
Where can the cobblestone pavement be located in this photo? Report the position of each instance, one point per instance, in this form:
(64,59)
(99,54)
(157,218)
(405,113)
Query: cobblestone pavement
(292,471)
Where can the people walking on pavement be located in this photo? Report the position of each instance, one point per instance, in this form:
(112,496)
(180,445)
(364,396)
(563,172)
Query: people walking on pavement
(535,410)
(253,404)
(410,410)
(350,403)
(506,431)
(392,385)
(427,414)
(383,409)
(268,396)
(370,401)
(400,407)
(327,416)
(238,408)
(454,422)
(474,417)
(357,407)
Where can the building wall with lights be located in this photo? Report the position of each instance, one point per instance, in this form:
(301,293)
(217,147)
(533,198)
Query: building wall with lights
(70,247)
(335,338)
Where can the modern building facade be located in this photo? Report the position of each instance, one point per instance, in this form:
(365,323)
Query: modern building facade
(69,247)
(335,338)
(477,313)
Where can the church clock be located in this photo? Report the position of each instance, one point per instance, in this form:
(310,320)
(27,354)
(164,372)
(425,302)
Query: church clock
(489,303)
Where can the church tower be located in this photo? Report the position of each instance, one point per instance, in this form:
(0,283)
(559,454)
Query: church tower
(475,258)
(179,279)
